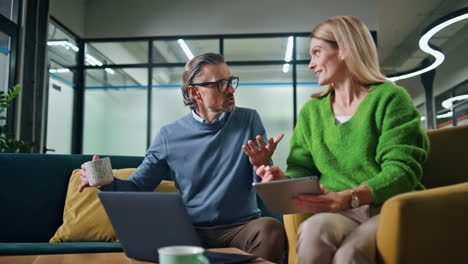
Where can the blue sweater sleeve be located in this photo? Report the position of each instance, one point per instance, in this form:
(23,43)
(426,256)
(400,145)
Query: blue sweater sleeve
(150,172)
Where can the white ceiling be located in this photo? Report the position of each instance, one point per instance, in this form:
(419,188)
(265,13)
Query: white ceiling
(401,23)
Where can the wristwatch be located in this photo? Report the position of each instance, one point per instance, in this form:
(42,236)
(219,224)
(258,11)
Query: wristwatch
(354,199)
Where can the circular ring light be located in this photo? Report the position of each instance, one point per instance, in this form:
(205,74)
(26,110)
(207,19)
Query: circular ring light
(447,104)
(425,46)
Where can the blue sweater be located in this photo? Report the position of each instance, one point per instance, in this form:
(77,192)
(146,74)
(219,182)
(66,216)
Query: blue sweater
(212,174)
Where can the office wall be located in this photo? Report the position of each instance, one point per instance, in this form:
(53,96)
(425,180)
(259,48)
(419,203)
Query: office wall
(123,18)
(4,71)
(71,13)
(59,116)
(115,122)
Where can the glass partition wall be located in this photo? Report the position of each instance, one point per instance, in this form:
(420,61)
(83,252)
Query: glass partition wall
(4,65)
(115,111)
(112,96)
(452,106)
(132,86)
(62,53)
(9,34)
(4,62)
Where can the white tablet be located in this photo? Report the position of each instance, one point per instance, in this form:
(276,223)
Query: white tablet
(278,195)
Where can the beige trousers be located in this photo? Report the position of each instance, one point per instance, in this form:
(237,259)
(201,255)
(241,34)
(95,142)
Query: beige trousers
(345,237)
(264,237)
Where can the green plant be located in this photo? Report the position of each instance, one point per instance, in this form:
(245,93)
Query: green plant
(8,142)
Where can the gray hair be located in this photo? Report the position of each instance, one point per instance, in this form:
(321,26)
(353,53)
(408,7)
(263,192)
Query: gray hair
(192,69)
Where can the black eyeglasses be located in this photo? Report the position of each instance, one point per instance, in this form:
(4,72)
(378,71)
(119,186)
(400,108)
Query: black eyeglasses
(222,85)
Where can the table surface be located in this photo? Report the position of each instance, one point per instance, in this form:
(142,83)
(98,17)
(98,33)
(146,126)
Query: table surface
(95,258)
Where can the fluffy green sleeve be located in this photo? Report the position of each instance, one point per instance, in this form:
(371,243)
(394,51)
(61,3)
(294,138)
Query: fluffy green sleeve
(402,147)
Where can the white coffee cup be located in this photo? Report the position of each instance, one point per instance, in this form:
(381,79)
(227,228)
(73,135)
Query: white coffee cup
(99,172)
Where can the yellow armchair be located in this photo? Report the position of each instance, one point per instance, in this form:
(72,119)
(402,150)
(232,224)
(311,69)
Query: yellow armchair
(429,226)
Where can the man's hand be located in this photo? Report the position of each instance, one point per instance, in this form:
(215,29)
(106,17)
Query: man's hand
(268,173)
(84,177)
(261,155)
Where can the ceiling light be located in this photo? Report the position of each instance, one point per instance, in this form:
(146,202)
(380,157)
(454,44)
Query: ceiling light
(64,43)
(447,104)
(93,61)
(448,114)
(109,70)
(286,67)
(185,48)
(58,70)
(56,42)
(424,46)
(289,50)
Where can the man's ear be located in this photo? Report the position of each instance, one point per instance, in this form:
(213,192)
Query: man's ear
(193,91)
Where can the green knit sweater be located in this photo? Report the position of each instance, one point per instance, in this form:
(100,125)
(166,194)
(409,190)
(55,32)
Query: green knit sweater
(382,146)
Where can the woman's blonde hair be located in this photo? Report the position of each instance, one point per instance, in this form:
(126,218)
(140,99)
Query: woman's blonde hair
(350,34)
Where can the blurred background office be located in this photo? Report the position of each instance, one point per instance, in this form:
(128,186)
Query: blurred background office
(103,76)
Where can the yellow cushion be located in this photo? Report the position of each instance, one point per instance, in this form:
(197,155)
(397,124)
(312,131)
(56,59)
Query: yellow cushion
(84,218)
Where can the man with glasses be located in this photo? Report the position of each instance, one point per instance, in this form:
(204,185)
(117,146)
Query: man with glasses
(204,151)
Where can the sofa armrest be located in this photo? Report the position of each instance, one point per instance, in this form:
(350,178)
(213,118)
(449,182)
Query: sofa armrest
(429,226)
(291,224)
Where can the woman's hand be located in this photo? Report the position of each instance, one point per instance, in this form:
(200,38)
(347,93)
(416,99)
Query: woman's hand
(328,201)
(261,155)
(268,173)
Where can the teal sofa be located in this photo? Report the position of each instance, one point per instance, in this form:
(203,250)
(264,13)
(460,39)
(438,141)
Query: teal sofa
(32,199)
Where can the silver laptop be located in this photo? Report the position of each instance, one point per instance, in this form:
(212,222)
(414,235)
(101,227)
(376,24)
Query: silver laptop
(146,221)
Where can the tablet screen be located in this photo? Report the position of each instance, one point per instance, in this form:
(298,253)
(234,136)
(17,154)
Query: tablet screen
(278,195)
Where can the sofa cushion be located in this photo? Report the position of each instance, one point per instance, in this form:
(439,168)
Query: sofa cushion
(84,218)
(446,163)
(13,249)
(33,192)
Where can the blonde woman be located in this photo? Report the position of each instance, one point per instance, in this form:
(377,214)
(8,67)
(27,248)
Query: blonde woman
(362,136)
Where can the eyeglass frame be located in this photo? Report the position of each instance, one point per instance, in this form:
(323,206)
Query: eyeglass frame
(218,84)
